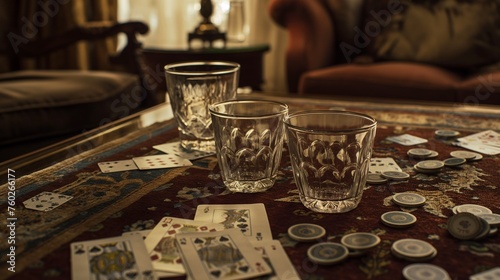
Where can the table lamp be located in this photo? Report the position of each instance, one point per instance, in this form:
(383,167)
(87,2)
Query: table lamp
(206,30)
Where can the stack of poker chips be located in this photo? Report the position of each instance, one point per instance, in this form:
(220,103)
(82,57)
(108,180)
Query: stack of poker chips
(472,222)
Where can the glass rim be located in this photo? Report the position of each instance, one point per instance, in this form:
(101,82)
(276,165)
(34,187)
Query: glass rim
(232,67)
(283,111)
(329,112)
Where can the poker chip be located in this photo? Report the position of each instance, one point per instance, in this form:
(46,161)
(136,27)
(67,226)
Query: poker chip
(424,271)
(306,232)
(327,253)
(465,154)
(407,199)
(398,219)
(464,226)
(419,152)
(395,175)
(452,162)
(426,171)
(413,249)
(485,229)
(430,164)
(473,209)
(492,219)
(375,178)
(360,240)
(446,134)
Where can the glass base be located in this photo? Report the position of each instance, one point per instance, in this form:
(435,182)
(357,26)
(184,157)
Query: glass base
(249,186)
(330,206)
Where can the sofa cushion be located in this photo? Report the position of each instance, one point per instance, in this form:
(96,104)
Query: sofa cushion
(383,80)
(36,104)
(460,34)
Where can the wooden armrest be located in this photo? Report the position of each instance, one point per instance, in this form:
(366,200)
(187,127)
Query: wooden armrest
(88,32)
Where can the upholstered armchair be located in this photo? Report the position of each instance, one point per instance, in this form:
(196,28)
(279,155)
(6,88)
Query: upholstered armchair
(39,107)
(415,50)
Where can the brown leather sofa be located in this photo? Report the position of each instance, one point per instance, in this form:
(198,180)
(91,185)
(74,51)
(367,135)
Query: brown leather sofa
(415,50)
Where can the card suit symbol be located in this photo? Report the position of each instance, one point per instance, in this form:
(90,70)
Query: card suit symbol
(131,275)
(147,273)
(198,241)
(95,249)
(244,268)
(216,273)
(79,251)
(154,257)
(223,239)
(241,220)
(242,226)
(39,206)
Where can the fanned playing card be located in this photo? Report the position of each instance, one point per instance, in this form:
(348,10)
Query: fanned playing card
(46,201)
(274,254)
(407,139)
(160,243)
(379,165)
(175,148)
(251,219)
(122,257)
(117,166)
(160,161)
(223,254)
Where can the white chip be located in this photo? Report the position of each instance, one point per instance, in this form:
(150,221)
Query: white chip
(424,271)
(407,199)
(327,253)
(474,209)
(360,240)
(419,152)
(464,226)
(464,154)
(398,219)
(395,175)
(306,232)
(426,171)
(375,178)
(492,219)
(430,164)
(413,248)
(442,133)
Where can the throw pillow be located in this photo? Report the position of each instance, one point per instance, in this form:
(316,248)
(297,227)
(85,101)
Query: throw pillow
(461,34)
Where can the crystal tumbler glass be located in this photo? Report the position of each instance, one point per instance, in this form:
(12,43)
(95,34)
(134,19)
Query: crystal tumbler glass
(330,153)
(249,141)
(192,87)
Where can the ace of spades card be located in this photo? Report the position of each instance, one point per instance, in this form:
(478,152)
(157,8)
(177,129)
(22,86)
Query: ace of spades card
(122,257)
(223,254)
(160,243)
(251,219)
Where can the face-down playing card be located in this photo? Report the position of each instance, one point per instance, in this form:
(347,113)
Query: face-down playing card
(160,243)
(251,219)
(122,257)
(223,254)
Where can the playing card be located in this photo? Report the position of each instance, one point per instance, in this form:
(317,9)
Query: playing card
(407,139)
(122,257)
(117,166)
(480,148)
(379,165)
(251,219)
(160,243)
(487,137)
(491,274)
(141,233)
(46,201)
(276,257)
(175,148)
(160,161)
(223,254)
